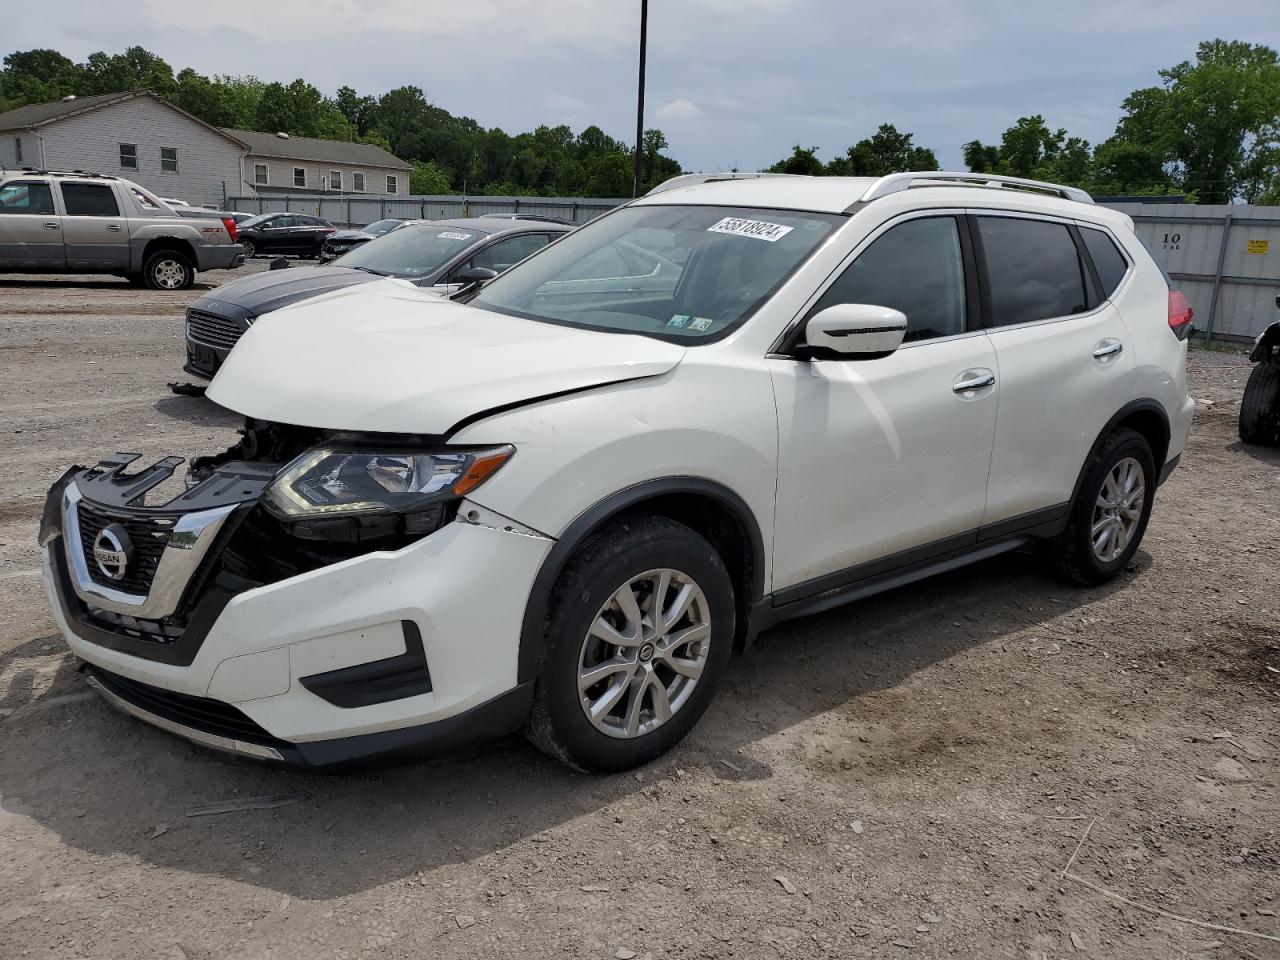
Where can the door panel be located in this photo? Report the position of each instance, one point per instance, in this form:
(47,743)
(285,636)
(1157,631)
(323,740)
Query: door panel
(879,456)
(94,231)
(1064,362)
(30,230)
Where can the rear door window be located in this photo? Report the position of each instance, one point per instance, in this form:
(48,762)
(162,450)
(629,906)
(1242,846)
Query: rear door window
(89,200)
(1107,260)
(1034,270)
(26,196)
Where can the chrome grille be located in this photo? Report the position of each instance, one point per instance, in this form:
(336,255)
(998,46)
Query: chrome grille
(149,535)
(212,330)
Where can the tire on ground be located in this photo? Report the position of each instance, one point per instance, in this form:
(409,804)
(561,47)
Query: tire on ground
(619,551)
(169,269)
(1260,405)
(1072,551)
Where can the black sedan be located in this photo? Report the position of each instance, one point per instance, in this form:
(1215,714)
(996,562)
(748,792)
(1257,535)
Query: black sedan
(442,255)
(299,234)
(344,241)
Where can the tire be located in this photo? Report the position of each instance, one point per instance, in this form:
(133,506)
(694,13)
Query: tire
(1260,405)
(631,555)
(1074,552)
(168,270)
(250,251)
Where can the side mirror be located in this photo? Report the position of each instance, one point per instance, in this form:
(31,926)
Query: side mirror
(474,275)
(855,330)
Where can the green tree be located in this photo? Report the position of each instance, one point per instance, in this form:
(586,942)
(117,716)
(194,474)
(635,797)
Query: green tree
(801,161)
(1032,150)
(428,178)
(1208,117)
(135,69)
(884,152)
(38,76)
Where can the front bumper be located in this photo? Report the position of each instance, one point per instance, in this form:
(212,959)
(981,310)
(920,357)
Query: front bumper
(295,659)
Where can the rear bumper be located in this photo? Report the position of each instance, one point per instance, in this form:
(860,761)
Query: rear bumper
(218,256)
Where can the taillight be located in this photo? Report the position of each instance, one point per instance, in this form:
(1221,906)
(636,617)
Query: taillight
(1180,315)
(231,229)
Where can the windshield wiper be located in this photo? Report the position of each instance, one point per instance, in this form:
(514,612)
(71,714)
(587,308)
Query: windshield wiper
(376,273)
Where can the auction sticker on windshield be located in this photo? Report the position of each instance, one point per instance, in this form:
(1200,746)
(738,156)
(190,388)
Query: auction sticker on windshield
(755,229)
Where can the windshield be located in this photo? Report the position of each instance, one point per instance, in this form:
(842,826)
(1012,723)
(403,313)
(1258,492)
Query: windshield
(255,221)
(412,252)
(379,227)
(672,272)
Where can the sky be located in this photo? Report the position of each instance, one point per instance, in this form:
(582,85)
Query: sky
(732,83)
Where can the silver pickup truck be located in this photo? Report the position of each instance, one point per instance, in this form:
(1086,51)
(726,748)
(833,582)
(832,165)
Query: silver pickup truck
(89,223)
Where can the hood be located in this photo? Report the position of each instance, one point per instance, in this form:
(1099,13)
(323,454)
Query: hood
(345,236)
(390,358)
(261,293)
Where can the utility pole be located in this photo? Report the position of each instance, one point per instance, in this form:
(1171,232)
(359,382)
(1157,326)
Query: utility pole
(644,30)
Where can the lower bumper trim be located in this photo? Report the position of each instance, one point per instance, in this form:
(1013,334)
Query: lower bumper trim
(213,740)
(1168,469)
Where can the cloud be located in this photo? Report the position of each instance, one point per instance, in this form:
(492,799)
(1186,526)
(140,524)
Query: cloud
(677,111)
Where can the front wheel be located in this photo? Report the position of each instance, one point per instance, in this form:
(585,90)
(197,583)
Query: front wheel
(1110,512)
(169,270)
(640,631)
(1260,405)
(250,251)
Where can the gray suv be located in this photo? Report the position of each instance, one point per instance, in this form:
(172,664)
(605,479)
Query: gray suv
(87,223)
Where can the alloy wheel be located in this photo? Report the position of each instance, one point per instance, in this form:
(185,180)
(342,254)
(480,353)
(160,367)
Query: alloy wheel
(644,653)
(169,274)
(1118,509)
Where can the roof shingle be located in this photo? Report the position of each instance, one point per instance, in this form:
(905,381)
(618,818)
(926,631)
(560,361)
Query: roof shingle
(38,113)
(322,151)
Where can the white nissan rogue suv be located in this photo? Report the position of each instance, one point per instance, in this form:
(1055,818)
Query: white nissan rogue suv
(565,503)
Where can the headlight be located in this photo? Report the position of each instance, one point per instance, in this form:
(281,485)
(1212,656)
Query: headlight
(332,482)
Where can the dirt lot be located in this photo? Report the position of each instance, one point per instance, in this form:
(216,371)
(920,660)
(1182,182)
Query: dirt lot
(906,777)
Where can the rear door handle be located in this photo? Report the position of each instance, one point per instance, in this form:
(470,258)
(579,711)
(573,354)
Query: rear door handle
(52,225)
(1107,348)
(114,227)
(974,380)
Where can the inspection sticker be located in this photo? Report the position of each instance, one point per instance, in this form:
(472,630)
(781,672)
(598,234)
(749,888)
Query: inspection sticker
(755,229)
(679,320)
(450,235)
(700,324)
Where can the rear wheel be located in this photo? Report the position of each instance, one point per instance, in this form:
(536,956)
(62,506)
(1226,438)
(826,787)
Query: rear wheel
(1110,512)
(640,631)
(1260,405)
(169,270)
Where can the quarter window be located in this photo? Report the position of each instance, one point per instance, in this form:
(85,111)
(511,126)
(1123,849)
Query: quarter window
(25,196)
(89,200)
(392,185)
(299,176)
(261,174)
(357,182)
(169,159)
(916,267)
(335,179)
(505,254)
(1107,260)
(129,156)
(1034,270)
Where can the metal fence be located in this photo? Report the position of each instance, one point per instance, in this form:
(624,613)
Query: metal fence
(1225,258)
(354,211)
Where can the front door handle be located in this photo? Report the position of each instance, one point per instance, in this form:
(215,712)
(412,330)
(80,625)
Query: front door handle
(1107,348)
(114,227)
(51,225)
(974,380)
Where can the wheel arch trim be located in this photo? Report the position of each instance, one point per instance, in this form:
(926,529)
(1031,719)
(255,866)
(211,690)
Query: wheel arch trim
(533,623)
(1143,406)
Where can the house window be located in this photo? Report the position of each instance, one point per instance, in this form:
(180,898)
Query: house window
(357,182)
(129,156)
(299,176)
(391,184)
(17,149)
(169,159)
(335,179)
(261,174)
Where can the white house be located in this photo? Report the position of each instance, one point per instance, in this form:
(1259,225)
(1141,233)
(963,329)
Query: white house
(143,137)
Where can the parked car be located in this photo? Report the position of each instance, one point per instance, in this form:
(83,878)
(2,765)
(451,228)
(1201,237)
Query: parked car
(344,241)
(434,255)
(1260,405)
(298,234)
(563,504)
(89,223)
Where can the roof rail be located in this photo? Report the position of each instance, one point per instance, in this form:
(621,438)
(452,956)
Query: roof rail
(896,182)
(689,179)
(36,171)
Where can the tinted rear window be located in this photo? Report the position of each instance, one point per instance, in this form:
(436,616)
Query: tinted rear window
(89,200)
(1033,269)
(1107,260)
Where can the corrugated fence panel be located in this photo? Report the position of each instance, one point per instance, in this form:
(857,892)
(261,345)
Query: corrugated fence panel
(357,211)
(1225,258)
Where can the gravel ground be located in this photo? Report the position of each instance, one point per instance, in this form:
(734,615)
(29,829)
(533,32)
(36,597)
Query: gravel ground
(905,777)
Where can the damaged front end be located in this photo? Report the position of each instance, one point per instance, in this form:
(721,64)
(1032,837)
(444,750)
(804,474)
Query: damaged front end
(148,576)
